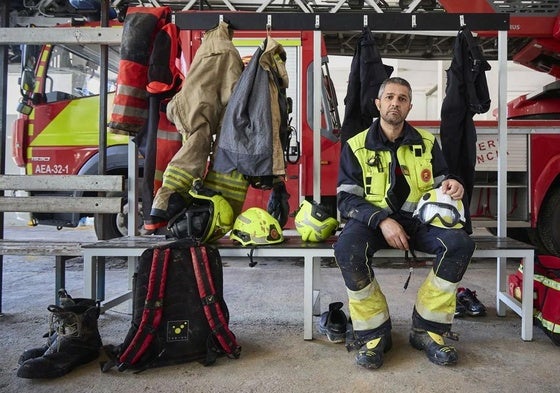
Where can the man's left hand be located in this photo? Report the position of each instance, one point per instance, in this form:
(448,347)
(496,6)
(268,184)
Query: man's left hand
(452,188)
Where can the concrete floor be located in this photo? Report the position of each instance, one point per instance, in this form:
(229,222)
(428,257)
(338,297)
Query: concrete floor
(265,304)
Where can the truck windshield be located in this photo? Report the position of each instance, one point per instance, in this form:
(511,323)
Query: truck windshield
(74,72)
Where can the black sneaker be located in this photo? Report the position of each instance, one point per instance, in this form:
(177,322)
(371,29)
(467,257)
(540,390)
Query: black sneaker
(371,353)
(460,309)
(333,323)
(434,346)
(468,299)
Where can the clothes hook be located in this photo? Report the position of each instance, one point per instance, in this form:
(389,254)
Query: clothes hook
(268,24)
(317,21)
(365,21)
(220,18)
(414,21)
(462,21)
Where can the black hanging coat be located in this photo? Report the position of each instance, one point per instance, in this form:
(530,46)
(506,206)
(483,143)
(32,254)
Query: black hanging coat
(367,72)
(466,94)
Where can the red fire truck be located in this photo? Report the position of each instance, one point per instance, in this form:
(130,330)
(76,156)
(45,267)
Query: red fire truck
(63,85)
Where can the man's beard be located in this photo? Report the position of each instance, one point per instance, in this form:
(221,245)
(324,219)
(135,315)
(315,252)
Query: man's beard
(393,119)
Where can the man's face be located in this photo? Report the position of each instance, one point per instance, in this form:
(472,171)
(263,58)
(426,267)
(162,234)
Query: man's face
(394,104)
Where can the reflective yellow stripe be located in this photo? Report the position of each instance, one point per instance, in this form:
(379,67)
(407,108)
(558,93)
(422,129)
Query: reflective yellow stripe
(436,299)
(368,307)
(177,179)
(547,281)
(233,185)
(551,326)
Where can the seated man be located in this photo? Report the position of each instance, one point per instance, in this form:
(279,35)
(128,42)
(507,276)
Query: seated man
(383,172)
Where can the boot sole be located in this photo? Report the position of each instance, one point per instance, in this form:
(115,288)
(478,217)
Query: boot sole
(43,373)
(367,365)
(333,337)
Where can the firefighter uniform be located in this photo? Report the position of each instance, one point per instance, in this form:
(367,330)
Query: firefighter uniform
(197,112)
(380,179)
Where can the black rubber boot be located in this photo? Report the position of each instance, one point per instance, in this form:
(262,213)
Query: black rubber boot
(428,337)
(65,301)
(39,351)
(374,344)
(371,353)
(175,204)
(76,341)
(436,350)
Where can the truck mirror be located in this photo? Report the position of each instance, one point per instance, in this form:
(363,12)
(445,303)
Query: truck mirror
(27,82)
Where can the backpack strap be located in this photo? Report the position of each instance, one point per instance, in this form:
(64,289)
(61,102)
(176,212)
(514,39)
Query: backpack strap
(153,310)
(212,307)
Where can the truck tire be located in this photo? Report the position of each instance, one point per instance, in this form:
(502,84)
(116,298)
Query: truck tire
(110,226)
(548,223)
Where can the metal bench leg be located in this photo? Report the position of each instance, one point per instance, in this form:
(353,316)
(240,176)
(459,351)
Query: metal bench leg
(311,293)
(90,276)
(316,284)
(527,297)
(500,285)
(59,276)
(100,278)
(308,297)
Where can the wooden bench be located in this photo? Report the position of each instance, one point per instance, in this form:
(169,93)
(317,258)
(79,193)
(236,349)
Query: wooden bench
(487,247)
(87,196)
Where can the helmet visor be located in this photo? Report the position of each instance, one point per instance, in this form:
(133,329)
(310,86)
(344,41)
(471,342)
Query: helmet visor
(448,214)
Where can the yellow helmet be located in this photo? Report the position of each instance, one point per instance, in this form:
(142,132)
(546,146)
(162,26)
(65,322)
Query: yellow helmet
(313,222)
(208,217)
(440,210)
(255,226)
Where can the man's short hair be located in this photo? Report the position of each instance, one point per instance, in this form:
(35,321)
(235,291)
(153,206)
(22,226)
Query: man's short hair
(397,81)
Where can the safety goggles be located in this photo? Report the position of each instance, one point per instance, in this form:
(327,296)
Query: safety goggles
(447,214)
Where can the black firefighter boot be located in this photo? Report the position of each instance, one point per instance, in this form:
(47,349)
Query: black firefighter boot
(65,300)
(430,340)
(76,341)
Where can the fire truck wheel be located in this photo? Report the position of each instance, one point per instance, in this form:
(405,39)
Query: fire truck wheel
(109,226)
(548,225)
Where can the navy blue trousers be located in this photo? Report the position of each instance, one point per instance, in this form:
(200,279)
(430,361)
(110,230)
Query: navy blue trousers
(453,249)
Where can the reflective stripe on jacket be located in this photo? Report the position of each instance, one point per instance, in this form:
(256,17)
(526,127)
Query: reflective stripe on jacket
(367,173)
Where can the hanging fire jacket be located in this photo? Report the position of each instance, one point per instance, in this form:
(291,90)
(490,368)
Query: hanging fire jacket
(466,94)
(367,72)
(130,105)
(197,110)
(254,130)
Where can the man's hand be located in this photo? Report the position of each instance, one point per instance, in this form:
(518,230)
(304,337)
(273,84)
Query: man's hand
(394,234)
(452,188)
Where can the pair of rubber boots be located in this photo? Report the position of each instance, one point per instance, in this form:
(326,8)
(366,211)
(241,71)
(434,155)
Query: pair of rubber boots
(371,353)
(72,340)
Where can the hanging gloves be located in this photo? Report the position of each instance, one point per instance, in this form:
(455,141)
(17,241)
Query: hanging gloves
(278,206)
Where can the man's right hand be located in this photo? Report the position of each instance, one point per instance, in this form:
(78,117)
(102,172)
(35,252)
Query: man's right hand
(394,234)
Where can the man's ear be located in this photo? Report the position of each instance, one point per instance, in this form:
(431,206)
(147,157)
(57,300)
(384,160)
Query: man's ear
(378,104)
